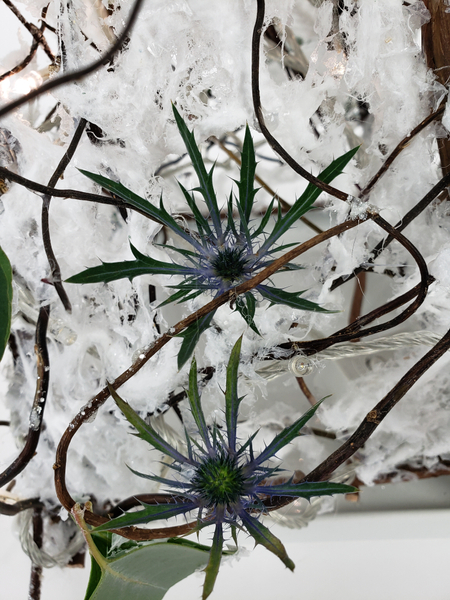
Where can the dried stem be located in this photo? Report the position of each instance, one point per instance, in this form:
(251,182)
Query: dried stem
(81,73)
(401,146)
(37,34)
(379,412)
(34,590)
(54,266)
(69,194)
(34,46)
(400,226)
(11,510)
(276,146)
(306,391)
(358,297)
(37,410)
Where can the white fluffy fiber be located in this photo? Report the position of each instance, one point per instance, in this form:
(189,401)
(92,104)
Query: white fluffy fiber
(185,51)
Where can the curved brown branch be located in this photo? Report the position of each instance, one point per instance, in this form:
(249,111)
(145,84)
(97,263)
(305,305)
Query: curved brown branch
(371,421)
(92,407)
(38,34)
(81,73)
(11,510)
(54,266)
(37,410)
(400,226)
(256,94)
(34,589)
(401,146)
(379,412)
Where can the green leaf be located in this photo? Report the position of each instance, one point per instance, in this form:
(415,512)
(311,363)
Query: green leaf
(306,490)
(146,431)
(129,269)
(146,572)
(265,219)
(205,179)
(160,215)
(180,296)
(246,307)
(215,557)
(196,405)
(247,176)
(191,335)
(307,199)
(150,512)
(202,223)
(263,536)
(232,399)
(287,435)
(6,294)
(277,296)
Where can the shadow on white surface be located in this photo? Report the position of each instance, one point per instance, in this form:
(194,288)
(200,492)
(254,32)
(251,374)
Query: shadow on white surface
(393,556)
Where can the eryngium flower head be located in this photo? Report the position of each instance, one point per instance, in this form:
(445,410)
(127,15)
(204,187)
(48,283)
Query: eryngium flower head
(219,478)
(223,253)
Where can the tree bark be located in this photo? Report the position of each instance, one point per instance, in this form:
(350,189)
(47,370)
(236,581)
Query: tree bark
(436,46)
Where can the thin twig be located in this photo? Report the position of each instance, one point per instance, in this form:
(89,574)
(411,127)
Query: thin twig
(276,146)
(371,421)
(54,266)
(21,66)
(400,226)
(358,297)
(11,510)
(34,46)
(401,146)
(81,73)
(34,590)
(37,410)
(379,412)
(70,194)
(306,391)
(37,34)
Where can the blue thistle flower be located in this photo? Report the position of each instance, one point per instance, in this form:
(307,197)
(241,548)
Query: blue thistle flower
(219,478)
(222,254)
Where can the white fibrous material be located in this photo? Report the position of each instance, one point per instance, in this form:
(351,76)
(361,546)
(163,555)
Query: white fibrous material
(197,55)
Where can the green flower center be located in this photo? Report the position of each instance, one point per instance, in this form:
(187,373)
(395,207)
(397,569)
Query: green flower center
(229,264)
(219,480)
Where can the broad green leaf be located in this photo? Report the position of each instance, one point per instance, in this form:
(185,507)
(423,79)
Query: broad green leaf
(232,399)
(277,296)
(307,199)
(6,294)
(191,335)
(146,572)
(205,179)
